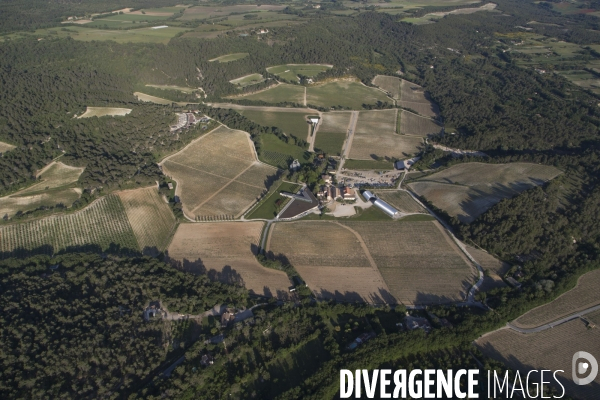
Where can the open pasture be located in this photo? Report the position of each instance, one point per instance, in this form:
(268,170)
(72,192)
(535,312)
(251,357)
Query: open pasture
(247,80)
(317,243)
(551,349)
(104,111)
(390,84)
(412,124)
(414,97)
(103,224)
(401,200)
(291,72)
(151,99)
(229,57)
(218,174)
(140,35)
(290,121)
(467,190)
(418,261)
(584,295)
(4,147)
(225,251)
(343,93)
(278,94)
(150,218)
(211,11)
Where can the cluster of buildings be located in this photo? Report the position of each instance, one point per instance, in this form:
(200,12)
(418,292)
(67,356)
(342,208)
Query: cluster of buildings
(329,192)
(185,120)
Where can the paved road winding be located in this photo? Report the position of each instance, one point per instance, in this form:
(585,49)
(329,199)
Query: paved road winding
(561,321)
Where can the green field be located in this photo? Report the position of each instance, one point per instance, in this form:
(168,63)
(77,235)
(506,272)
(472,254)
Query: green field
(247,80)
(279,94)
(292,123)
(290,72)
(278,153)
(229,57)
(344,94)
(140,35)
(267,209)
(369,164)
(330,142)
(174,87)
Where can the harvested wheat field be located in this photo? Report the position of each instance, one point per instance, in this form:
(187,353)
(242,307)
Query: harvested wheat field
(331,258)
(412,124)
(584,295)
(493,267)
(418,261)
(413,97)
(551,349)
(104,111)
(401,200)
(390,84)
(218,174)
(225,251)
(150,217)
(468,190)
(4,147)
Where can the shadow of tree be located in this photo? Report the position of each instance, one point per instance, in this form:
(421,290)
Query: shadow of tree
(226,275)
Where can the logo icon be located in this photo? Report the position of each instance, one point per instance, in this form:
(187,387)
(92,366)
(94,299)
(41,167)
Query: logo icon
(582,367)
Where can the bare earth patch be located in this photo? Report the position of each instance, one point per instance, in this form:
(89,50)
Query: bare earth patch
(226,252)
(4,147)
(104,111)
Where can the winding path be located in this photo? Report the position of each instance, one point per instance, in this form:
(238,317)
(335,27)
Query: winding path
(561,321)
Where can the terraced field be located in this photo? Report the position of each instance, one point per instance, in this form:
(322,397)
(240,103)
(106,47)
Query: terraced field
(150,217)
(418,261)
(584,295)
(101,225)
(468,190)
(551,349)
(390,84)
(225,251)
(218,174)
(401,200)
(411,124)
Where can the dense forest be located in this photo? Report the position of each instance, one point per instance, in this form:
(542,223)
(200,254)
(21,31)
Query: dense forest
(72,325)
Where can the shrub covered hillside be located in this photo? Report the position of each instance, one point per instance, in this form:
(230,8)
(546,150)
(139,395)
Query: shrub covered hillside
(78,331)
